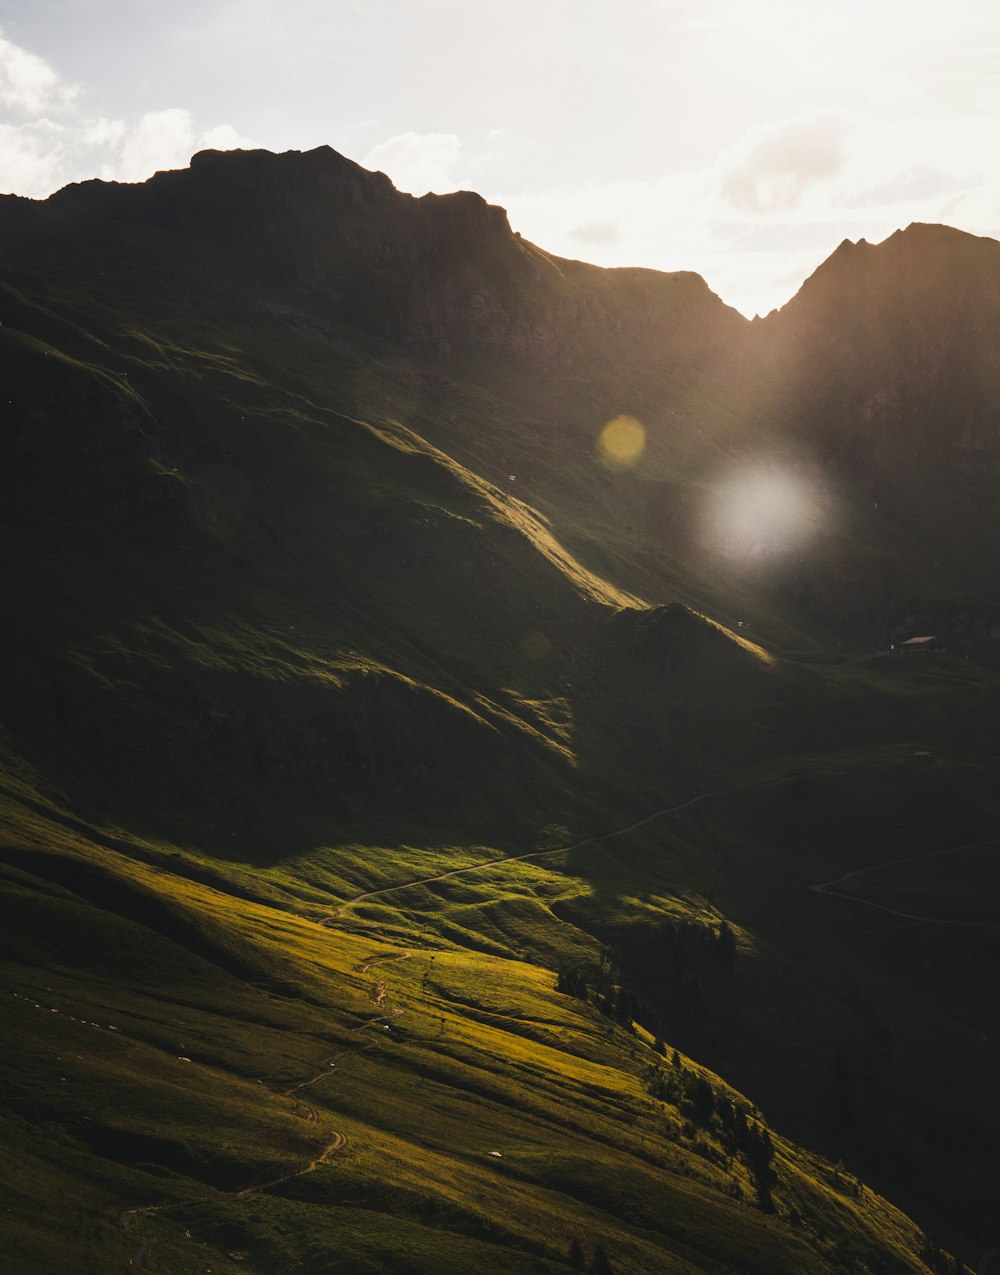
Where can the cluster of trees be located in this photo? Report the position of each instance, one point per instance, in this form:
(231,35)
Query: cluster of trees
(680,961)
(938,1260)
(688,943)
(599,1263)
(602,986)
(687,946)
(730,1120)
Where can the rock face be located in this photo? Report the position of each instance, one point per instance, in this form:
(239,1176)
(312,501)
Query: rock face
(442,274)
(885,369)
(895,348)
(881,377)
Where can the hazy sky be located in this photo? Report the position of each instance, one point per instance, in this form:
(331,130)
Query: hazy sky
(742,140)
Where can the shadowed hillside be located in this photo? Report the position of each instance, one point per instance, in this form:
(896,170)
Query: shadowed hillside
(886,365)
(452,815)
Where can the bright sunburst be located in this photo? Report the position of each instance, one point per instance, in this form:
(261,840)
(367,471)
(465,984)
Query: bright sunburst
(760,512)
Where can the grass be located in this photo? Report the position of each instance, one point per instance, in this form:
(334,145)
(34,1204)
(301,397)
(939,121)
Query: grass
(288,634)
(169,1084)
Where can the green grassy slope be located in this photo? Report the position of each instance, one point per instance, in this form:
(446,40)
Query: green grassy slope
(186,1055)
(288,633)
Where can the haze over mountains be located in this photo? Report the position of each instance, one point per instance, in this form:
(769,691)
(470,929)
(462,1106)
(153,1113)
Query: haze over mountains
(351,540)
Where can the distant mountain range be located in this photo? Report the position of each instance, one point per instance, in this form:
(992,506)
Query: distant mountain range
(352,542)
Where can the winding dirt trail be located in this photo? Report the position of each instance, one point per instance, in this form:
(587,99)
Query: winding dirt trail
(305,1112)
(334,1145)
(385,960)
(520,858)
(329,1066)
(385,1019)
(826,886)
(125,1219)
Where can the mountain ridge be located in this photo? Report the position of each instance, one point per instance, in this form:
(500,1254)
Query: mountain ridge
(328,584)
(444,281)
(294,191)
(324,171)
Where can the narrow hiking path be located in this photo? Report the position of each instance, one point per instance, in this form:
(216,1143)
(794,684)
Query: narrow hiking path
(520,858)
(330,1064)
(304,1112)
(143,1245)
(385,1018)
(137,1261)
(385,960)
(334,1145)
(827,886)
(127,1217)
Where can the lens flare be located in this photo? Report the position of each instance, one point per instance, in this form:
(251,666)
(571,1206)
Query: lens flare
(537,646)
(761,512)
(622,442)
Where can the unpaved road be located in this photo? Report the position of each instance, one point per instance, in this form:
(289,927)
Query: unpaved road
(336,1142)
(530,854)
(385,960)
(137,1261)
(306,1112)
(329,1067)
(827,886)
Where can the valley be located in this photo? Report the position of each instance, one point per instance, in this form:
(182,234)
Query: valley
(435,837)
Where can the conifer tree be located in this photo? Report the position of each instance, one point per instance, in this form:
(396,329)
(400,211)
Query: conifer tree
(599,1264)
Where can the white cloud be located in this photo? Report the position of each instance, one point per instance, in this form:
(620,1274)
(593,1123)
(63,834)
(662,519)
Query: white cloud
(920,182)
(765,213)
(773,166)
(160,140)
(596,232)
(28,84)
(660,222)
(679,134)
(30,158)
(224,138)
(37,155)
(102,132)
(418,162)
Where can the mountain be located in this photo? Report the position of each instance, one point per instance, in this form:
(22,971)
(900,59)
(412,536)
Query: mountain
(453,817)
(888,359)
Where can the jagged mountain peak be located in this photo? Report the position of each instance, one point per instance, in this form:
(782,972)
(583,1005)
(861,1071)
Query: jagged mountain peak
(910,265)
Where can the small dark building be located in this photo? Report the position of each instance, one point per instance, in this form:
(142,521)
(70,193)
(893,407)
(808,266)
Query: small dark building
(917,645)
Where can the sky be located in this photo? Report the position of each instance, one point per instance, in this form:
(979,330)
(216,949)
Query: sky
(742,139)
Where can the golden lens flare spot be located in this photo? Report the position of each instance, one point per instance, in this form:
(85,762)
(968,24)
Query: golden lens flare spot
(622,442)
(536,646)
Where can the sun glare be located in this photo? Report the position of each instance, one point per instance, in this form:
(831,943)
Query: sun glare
(622,442)
(536,646)
(760,513)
